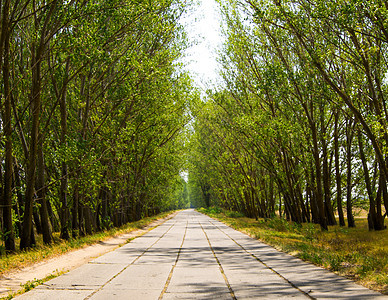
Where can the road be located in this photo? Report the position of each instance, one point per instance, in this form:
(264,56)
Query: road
(192,256)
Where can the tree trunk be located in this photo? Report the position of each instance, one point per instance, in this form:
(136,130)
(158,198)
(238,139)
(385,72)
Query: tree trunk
(318,194)
(326,186)
(41,192)
(81,227)
(349,138)
(104,208)
(379,215)
(35,215)
(326,172)
(385,191)
(53,218)
(26,239)
(9,238)
(280,205)
(65,214)
(88,220)
(20,197)
(373,218)
(74,212)
(1,198)
(313,201)
(337,172)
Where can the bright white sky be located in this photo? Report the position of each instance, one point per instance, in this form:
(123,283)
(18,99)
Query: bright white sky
(203,27)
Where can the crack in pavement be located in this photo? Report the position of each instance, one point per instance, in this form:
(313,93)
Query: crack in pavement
(174,265)
(196,257)
(12,281)
(219,264)
(136,259)
(266,265)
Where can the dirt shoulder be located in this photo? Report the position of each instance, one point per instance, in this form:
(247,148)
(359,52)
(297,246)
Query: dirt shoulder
(13,281)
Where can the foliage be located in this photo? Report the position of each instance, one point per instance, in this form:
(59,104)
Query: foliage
(97,106)
(299,127)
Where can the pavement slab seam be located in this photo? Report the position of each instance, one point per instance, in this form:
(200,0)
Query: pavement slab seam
(136,259)
(262,262)
(75,287)
(174,265)
(195,258)
(12,281)
(219,264)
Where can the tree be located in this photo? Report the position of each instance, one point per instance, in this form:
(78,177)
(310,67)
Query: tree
(100,137)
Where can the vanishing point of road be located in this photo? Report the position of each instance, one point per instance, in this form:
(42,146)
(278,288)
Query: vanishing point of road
(192,256)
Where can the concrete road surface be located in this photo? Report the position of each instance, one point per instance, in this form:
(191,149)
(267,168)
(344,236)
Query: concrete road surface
(192,256)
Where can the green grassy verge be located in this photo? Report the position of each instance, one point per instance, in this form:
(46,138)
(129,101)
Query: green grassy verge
(356,253)
(22,259)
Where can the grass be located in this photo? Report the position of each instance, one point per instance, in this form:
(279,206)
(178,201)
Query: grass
(355,253)
(20,259)
(29,285)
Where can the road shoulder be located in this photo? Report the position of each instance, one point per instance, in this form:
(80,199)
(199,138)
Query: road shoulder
(14,281)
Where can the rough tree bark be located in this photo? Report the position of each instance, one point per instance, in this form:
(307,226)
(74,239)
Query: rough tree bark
(9,238)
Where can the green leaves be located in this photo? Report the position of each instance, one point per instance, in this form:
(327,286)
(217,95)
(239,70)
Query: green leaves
(114,107)
(289,67)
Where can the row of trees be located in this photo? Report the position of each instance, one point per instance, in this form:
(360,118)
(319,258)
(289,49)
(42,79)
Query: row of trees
(300,128)
(93,110)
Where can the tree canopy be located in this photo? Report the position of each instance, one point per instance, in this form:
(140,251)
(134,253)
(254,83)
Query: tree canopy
(98,120)
(93,114)
(300,129)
